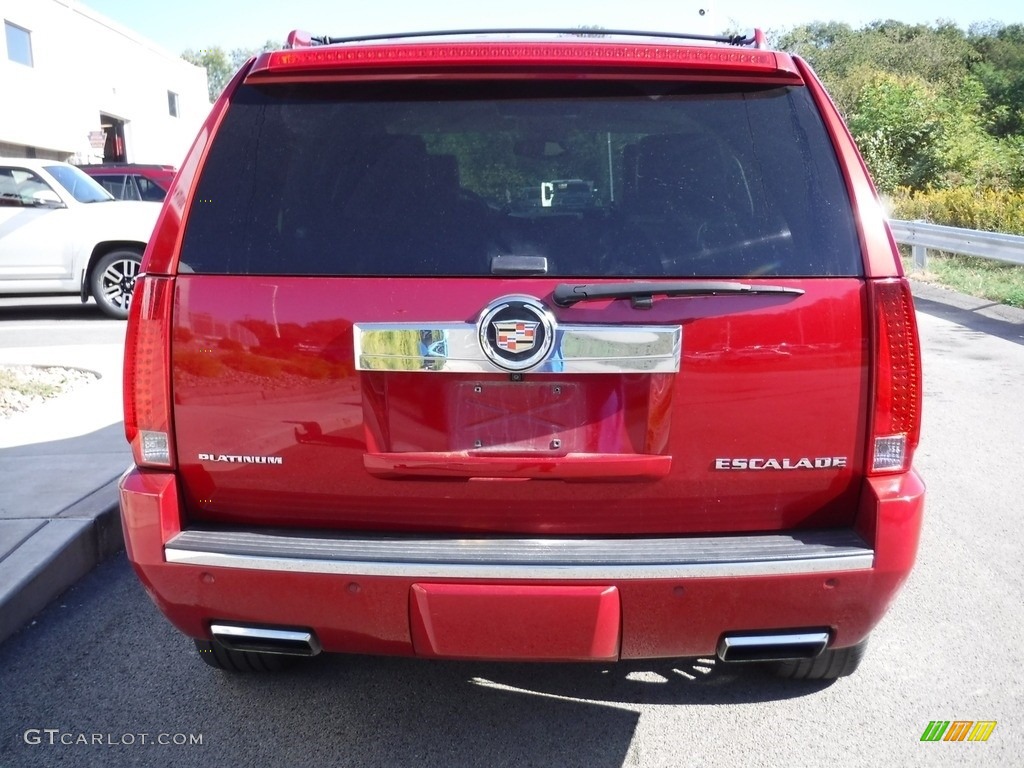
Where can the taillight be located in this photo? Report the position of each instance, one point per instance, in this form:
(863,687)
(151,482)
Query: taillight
(896,424)
(147,387)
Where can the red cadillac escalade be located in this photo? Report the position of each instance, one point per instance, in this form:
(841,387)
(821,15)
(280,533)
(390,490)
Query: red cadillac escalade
(526,346)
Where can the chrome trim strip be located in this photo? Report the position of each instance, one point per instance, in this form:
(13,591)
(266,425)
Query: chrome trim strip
(525,559)
(758,641)
(260,633)
(520,572)
(455,348)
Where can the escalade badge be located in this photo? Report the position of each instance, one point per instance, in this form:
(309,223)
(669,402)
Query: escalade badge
(516,332)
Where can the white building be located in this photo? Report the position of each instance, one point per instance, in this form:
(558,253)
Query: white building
(76,86)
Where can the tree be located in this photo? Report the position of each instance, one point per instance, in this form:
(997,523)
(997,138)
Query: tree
(1001,73)
(220,66)
(847,60)
(929,106)
(896,121)
(215,62)
(241,55)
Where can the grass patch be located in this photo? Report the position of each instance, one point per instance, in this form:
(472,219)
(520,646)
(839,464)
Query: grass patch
(29,387)
(986,279)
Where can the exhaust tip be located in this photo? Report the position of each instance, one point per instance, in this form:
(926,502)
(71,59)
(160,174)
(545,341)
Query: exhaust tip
(288,642)
(782,646)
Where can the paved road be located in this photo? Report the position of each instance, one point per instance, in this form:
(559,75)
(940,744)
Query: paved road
(102,663)
(32,322)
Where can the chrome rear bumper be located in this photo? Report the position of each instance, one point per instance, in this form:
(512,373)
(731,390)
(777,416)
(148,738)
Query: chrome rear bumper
(523,558)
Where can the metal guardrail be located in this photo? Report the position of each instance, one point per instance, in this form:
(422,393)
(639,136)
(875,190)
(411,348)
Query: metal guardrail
(923,237)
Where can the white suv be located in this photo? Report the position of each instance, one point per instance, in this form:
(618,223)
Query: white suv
(61,232)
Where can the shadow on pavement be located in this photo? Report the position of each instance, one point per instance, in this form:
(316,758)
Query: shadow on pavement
(60,309)
(972,319)
(105,636)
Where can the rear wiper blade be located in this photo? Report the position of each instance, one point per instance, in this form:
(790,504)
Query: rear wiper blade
(642,294)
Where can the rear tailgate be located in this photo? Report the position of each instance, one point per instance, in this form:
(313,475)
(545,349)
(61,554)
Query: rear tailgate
(346,242)
(762,428)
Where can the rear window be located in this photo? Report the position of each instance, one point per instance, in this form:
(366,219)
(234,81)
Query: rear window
(588,179)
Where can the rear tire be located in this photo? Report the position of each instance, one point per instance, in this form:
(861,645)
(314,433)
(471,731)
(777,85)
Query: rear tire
(112,281)
(219,657)
(829,665)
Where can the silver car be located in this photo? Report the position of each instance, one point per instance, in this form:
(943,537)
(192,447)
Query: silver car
(62,233)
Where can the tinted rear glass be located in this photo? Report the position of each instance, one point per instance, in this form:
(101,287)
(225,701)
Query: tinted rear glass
(595,179)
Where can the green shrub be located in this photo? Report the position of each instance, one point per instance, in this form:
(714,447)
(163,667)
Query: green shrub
(988,210)
(991,210)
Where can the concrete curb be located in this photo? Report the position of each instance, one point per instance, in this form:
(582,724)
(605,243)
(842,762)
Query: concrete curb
(55,554)
(60,517)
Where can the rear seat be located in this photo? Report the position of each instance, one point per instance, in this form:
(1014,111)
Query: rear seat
(407,207)
(699,206)
(581,244)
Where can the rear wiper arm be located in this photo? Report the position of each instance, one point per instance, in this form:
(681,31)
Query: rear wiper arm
(642,294)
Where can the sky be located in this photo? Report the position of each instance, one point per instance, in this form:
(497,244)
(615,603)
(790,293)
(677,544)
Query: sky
(231,24)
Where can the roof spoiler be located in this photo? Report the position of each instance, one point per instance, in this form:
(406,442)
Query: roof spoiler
(299,39)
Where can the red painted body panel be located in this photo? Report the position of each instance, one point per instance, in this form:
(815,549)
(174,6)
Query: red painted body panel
(265,367)
(660,618)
